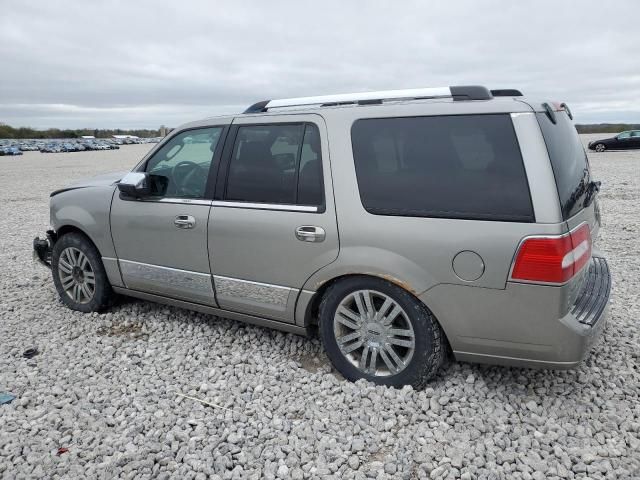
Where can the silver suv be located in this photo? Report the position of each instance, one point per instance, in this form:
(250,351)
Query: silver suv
(402,225)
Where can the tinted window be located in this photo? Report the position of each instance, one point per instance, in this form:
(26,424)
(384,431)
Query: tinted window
(624,135)
(568,160)
(465,166)
(185,161)
(276,164)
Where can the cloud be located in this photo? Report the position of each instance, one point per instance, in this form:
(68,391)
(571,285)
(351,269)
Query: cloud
(146,63)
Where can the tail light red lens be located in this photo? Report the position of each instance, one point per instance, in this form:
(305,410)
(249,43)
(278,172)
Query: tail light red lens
(553,259)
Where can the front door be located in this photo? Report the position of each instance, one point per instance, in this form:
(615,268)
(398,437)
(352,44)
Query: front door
(272,223)
(161,242)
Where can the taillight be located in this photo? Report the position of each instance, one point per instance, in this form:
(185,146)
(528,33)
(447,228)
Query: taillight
(553,259)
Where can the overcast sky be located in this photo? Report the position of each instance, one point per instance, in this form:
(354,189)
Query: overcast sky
(145,63)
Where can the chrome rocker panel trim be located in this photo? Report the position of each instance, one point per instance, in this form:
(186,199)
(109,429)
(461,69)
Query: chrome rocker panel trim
(253,320)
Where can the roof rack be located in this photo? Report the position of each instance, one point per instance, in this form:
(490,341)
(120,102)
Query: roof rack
(472,92)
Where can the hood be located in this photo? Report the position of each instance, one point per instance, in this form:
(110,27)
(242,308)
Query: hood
(104,180)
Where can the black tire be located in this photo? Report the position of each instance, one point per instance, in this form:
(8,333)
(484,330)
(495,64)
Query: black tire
(599,147)
(430,342)
(102,294)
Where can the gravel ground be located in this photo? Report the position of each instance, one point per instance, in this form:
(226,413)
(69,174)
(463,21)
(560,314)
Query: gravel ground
(106,387)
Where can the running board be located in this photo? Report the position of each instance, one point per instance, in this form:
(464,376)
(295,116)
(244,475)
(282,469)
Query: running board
(251,319)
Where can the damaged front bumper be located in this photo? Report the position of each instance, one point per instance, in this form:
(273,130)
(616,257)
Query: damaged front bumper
(42,248)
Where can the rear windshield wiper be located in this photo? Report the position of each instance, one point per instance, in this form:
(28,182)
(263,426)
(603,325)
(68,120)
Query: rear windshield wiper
(592,189)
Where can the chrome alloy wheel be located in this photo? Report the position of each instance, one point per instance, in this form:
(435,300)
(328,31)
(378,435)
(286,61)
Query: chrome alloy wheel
(600,148)
(374,333)
(76,275)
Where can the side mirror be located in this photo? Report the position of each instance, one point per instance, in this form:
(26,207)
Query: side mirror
(135,184)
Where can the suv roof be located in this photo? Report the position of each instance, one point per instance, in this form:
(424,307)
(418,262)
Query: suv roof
(409,102)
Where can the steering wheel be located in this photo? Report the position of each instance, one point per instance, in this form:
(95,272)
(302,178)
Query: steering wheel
(188,178)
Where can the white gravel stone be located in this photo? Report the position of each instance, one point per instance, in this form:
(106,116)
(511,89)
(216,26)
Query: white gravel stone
(104,385)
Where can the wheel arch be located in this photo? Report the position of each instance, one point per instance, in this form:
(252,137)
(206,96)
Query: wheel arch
(312,304)
(66,229)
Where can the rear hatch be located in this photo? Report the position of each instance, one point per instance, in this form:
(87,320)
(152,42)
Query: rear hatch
(577,190)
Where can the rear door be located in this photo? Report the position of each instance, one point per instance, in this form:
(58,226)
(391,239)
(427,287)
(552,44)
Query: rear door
(273,222)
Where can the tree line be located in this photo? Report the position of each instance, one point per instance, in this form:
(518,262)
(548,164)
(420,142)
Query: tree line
(7,131)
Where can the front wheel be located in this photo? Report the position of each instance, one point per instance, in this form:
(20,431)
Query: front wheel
(375,330)
(600,148)
(79,275)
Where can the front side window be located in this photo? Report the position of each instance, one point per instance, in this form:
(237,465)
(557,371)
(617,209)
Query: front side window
(624,135)
(277,163)
(184,162)
(456,166)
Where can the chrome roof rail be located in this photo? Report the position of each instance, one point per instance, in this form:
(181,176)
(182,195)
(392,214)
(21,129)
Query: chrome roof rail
(473,92)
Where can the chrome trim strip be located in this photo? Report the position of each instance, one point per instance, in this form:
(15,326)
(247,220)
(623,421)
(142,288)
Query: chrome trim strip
(186,201)
(184,280)
(251,319)
(264,294)
(249,205)
(272,285)
(265,206)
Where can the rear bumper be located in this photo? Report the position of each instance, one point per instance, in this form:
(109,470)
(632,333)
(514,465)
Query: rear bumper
(523,325)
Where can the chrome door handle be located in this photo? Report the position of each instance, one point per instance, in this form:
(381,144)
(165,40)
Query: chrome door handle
(184,221)
(309,233)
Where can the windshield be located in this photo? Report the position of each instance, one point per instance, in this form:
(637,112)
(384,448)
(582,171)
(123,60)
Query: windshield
(568,160)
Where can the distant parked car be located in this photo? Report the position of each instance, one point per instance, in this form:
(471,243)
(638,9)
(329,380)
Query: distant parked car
(69,147)
(28,148)
(51,148)
(10,151)
(623,141)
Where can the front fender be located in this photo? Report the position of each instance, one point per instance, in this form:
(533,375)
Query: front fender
(86,209)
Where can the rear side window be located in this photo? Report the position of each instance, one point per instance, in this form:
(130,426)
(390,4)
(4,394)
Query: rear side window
(568,160)
(277,163)
(458,166)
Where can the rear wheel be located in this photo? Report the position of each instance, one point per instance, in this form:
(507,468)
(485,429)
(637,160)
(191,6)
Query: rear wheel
(79,275)
(600,148)
(375,330)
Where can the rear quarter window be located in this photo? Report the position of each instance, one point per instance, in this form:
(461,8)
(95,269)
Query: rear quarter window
(457,166)
(568,161)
